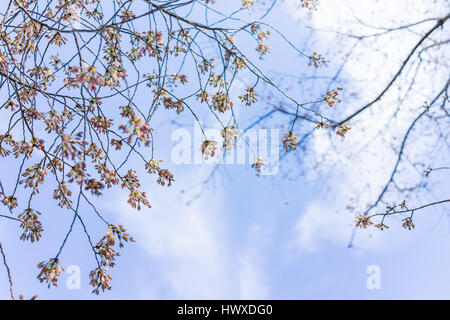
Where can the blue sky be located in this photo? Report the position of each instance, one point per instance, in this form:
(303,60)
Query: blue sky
(268,237)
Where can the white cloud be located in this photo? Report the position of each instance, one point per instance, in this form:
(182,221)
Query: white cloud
(362,163)
(252,285)
(191,246)
(321,224)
